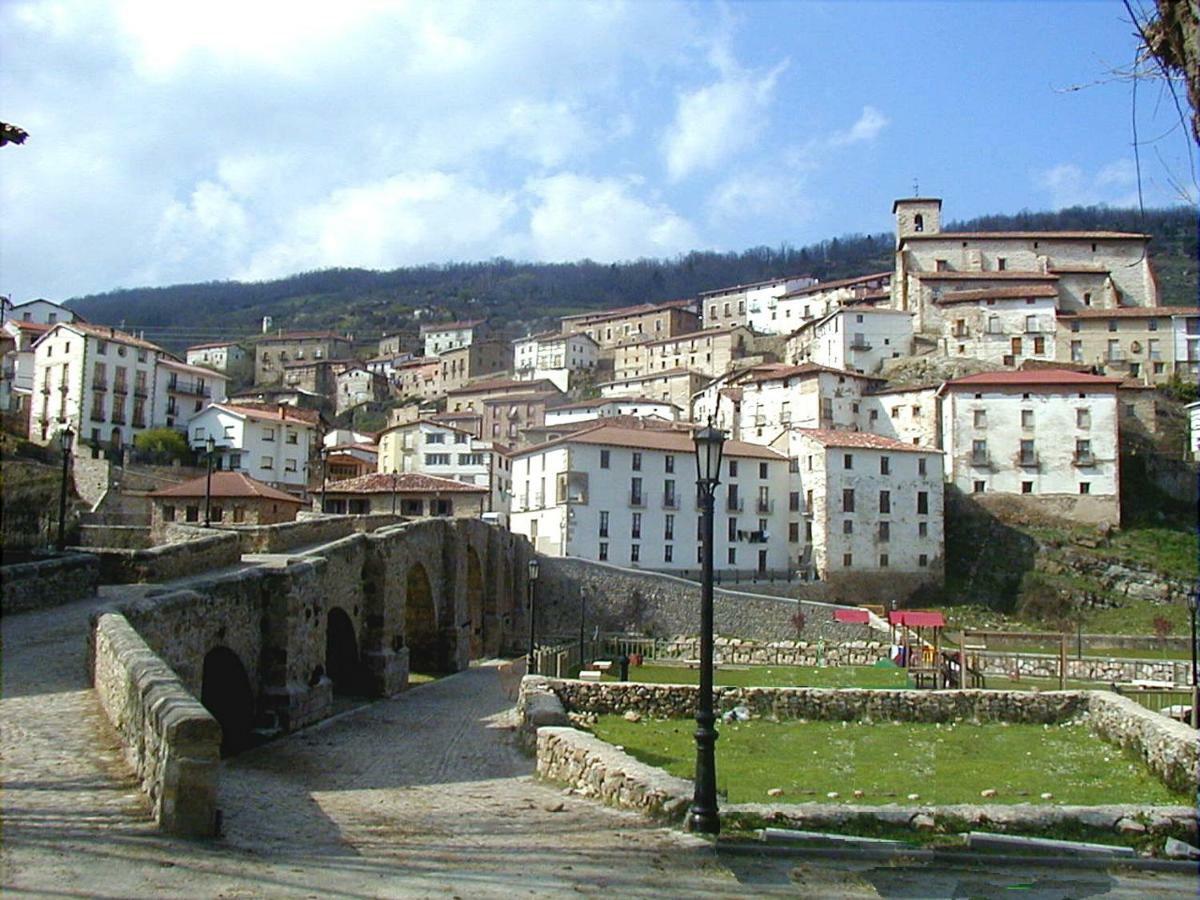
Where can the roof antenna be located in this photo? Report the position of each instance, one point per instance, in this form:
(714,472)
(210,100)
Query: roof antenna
(916,188)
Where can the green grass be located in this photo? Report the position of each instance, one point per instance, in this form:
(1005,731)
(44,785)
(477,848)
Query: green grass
(776,676)
(943,764)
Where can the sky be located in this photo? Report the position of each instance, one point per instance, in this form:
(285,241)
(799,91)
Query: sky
(185,141)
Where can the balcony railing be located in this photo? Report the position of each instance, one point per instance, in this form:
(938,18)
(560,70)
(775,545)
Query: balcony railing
(120,388)
(189,387)
(765,506)
(1027,460)
(100,387)
(1085,458)
(981,458)
(670,501)
(140,390)
(637,499)
(860,345)
(735,504)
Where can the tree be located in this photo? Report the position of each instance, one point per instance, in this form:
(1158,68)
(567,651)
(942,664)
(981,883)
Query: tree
(164,441)
(1171,37)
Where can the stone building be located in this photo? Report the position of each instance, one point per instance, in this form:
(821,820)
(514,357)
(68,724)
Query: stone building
(438,337)
(400,343)
(227,357)
(471,397)
(234,498)
(1006,324)
(506,416)
(419,378)
(776,399)
(632,324)
(474,361)
(712,351)
(1150,345)
(1047,438)
(857,338)
(315,376)
(409,494)
(750,305)
(273,352)
(869,504)
(671,386)
(355,384)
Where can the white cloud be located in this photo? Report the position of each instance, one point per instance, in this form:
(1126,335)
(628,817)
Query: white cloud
(867,128)
(407,219)
(716,122)
(1067,184)
(574,216)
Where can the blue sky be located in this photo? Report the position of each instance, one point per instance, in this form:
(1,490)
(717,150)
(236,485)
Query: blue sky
(189,142)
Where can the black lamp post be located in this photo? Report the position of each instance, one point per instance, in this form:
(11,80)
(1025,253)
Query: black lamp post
(703,817)
(64,442)
(533,577)
(393,492)
(324,474)
(1192,600)
(210,447)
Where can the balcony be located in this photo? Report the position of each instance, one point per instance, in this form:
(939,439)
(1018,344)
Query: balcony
(981,459)
(637,499)
(735,504)
(121,388)
(1027,460)
(670,501)
(860,345)
(1115,356)
(765,506)
(100,387)
(140,390)
(189,387)
(1084,458)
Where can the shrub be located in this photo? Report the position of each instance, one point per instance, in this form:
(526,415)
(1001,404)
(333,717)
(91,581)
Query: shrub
(166,442)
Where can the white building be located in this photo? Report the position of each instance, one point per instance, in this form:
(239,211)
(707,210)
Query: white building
(606,407)
(227,357)
(434,448)
(551,351)
(750,304)
(855,338)
(16,376)
(712,352)
(181,391)
(40,312)
(870,505)
(803,396)
(443,336)
(802,305)
(906,413)
(1193,411)
(1005,325)
(672,386)
(627,496)
(1048,436)
(271,445)
(357,384)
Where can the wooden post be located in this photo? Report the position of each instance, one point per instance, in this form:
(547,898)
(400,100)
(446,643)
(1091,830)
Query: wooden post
(1062,661)
(962,659)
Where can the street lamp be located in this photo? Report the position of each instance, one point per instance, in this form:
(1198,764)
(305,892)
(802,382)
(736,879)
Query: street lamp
(324,474)
(393,492)
(1192,600)
(64,442)
(531,669)
(210,447)
(703,817)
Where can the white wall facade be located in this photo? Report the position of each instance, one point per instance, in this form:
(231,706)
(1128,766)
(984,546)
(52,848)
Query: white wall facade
(813,399)
(855,339)
(439,340)
(1005,331)
(909,416)
(274,450)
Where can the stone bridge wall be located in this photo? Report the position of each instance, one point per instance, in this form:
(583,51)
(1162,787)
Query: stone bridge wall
(48,582)
(170,740)
(167,562)
(661,605)
(307,532)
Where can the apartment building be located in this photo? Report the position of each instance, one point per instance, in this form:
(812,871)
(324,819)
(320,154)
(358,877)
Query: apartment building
(271,444)
(227,357)
(749,305)
(439,337)
(507,416)
(182,390)
(632,324)
(675,386)
(355,384)
(869,504)
(857,338)
(795,308)
(16,372)
(411,495)
(471,397)
(1006,325)
(434,448)
(1046,436)
(39,312)
(419,378)
(273,352)
(805,396)
(552,350)
(476,360)
(712,351)
(627,496)
(1148,344)
(906,413)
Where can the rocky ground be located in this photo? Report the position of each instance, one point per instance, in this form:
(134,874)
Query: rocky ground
(424,795)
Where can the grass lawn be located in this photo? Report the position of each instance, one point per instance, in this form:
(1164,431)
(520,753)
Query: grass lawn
(887,762)
(775,676)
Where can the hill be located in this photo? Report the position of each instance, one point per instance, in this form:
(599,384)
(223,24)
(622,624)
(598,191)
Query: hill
(528,295)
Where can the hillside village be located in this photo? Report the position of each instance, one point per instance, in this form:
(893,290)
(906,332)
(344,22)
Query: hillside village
(1006,366)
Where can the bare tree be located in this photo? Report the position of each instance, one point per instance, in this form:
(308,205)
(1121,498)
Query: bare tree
(12,134)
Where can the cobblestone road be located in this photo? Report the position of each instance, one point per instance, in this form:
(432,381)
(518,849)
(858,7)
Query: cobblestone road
(420,796)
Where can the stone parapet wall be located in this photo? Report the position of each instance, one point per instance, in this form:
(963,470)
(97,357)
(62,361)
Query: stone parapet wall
(674,701)
(1169,748)
(595,768)
(734,651)
(657,604)
(48,582)
(307,531)
(120,537)
(170,740)
(167,562)
(1105,671)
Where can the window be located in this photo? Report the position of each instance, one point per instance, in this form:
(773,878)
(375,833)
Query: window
(603,523)
(1085,487)
(636,529)
(1001,263)
(635,491)
(847,560)
(885,502)
(292,437)
(1026,487)
(1027,418)
(604,459)
(794,501)
(732,556)
(847,526)
(848,499)
(923,560)
(979,453)
(168,513)
(883,560)
(289,465)
(669,553)
(733,466)
(603,554)
(669,527)
(921,466)
(980,418)
(267,463)
(637,461)
(437,459)
(1083,452)
(635,552)
(808,500)
(239,514)
(922,503)
(922,529)
(793,532)
(1028,453)
(733,529)
(847,460)
(669,464)
(978,487)
(1039,346)
(268,434)
(669,501)
(1083,418)
(192,514)
(885,465)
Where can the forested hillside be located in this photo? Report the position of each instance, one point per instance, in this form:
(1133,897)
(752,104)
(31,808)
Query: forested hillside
(526,295)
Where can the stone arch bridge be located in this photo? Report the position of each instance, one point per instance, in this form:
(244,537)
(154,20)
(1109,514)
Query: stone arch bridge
(267,647)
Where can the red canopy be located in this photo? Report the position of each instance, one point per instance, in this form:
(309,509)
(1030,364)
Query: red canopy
(917,618)
(851,615)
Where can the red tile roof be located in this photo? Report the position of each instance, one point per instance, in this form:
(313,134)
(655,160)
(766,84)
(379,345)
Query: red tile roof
(1033,378)
(29,326)
(192,370)
(1028,235)
(104,332)
(752,284)
(807,368)
(863,440)
(689,335)
(210,345)
(301,336)
(1129,312)
(505,384)
(637,309)
(839,283)
(270,412)
(406,483)
(669,439)
(227,485)
(998,293)
(1006,275)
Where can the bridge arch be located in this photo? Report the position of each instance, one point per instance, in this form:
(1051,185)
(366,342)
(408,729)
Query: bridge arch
(425,651)
(225,692)
(343,662)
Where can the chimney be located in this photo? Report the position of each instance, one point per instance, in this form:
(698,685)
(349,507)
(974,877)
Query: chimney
(283,410)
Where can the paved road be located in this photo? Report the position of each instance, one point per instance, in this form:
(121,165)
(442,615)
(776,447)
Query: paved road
(420,796)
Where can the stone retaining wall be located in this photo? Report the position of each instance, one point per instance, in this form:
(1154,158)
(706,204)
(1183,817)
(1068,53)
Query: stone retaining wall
(734,651)
(167,562)
(660,605)
(1169,748)
(123,537)
(171,741)
(1106,671)
(48,582)
(674,701)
